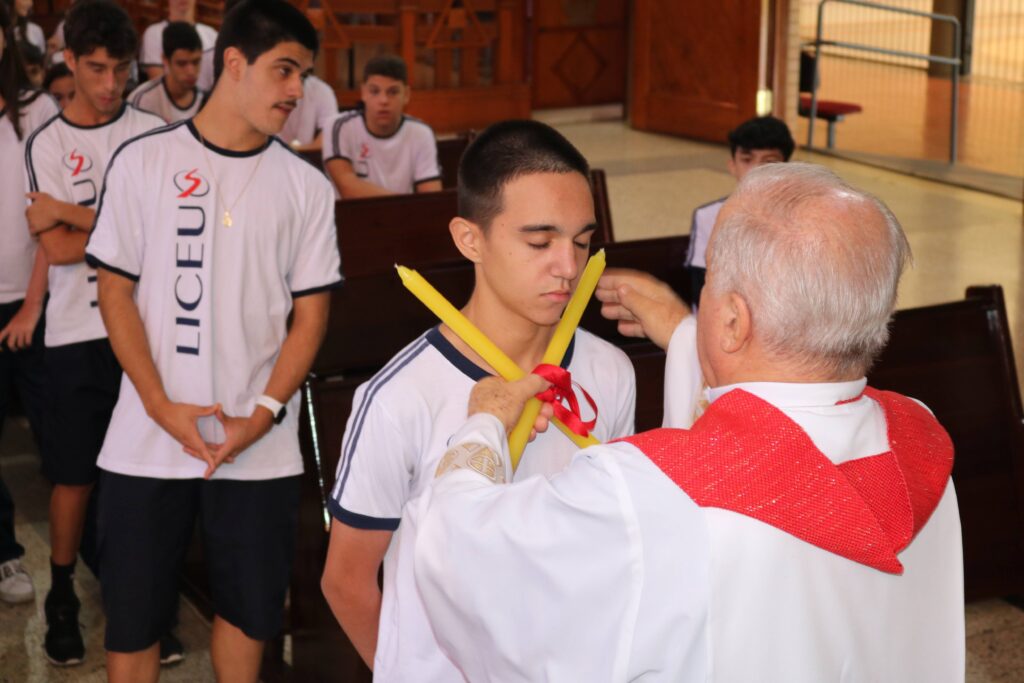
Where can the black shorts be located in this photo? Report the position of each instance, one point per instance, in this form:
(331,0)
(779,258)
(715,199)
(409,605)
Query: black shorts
(145,526)
(85,378)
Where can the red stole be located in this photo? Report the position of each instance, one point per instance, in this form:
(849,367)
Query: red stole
(747,456)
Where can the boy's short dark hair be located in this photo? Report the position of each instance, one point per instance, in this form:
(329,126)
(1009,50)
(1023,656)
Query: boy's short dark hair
(180,35)
(94,24)
(504,152)
(30,54)
(56,71)
(389,66)
(257,26)
(763,132)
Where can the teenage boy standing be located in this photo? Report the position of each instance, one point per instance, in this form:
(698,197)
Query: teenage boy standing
(526,217)
(210,233)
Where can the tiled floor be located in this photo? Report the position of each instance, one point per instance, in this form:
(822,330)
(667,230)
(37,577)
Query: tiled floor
(959,237)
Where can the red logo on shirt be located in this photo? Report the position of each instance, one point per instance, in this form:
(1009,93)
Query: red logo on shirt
(77,162)
(364,151)
(191,184)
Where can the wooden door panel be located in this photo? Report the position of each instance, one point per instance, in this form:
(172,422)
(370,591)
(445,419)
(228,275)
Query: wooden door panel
(585,66)
(696,65)
(579,52)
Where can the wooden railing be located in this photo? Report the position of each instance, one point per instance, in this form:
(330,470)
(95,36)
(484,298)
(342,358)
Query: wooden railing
(464,57)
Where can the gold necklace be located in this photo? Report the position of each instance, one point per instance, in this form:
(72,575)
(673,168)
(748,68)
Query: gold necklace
(226,220)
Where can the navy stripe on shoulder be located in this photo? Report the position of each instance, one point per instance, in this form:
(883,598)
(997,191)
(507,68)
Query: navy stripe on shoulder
(142,90)
(420,121)
(113,158)
(338,123)
(358,521)
(33,185)
(359,412)
(160,124)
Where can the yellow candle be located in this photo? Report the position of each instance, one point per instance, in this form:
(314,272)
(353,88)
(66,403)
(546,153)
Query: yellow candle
(471,334)
(557,347)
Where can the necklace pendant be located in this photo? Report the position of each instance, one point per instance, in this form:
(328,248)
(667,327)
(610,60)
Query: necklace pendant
(227,219)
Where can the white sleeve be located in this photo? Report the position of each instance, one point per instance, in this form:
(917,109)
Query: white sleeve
(117,242)
(42,109)
(427,167)
(34,35)
(316,264)
(684,380)
(43,166)
(334,144)
(152,50)
(374,474)
(491,561)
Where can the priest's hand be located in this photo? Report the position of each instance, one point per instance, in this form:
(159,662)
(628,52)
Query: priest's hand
(506,400)
(643,305)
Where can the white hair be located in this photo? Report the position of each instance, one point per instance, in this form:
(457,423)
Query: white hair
(803,249)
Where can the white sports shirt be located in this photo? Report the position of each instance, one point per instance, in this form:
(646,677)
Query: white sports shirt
(67,161)
(214,300)
(610,572)
(398,429)
(153,96)
(313,114)
(151,52)
(17,248)
(397,163)
(704,218)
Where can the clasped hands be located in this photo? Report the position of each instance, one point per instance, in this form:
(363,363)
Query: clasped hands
(180,420)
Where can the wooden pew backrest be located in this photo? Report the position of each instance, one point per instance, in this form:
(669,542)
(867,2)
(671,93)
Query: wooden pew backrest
(958,359)
(376,232)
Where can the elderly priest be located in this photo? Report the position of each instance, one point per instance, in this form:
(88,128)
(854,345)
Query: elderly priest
(805,528)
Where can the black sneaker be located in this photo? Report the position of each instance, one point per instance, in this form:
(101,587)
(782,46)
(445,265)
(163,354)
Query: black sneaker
(171,650)
(63,643)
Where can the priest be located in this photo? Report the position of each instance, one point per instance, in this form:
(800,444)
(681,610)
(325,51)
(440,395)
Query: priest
(804,529)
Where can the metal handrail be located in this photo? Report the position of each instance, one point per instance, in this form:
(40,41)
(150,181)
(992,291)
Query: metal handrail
(954,61)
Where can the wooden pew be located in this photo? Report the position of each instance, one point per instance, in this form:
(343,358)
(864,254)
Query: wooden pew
(958,359)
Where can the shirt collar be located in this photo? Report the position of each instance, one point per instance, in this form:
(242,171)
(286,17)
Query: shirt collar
(796,394)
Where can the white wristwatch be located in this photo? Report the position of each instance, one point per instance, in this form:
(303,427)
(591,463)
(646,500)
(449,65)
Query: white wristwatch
(276,408)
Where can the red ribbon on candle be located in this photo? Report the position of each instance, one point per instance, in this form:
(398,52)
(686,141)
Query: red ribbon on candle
(561,390)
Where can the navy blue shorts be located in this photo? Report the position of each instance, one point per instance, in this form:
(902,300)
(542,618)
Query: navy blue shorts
(84,379)
(145,527)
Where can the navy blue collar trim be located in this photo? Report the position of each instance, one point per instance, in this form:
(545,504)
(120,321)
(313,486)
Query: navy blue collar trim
(468,367)
(226,152)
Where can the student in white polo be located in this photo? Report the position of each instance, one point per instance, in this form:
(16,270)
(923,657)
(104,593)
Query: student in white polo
(526,218)
(174,96)
(210,234)
(378,149)
(65,160)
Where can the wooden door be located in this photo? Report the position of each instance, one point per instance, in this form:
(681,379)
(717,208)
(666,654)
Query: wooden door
(579,52)
(696,66)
